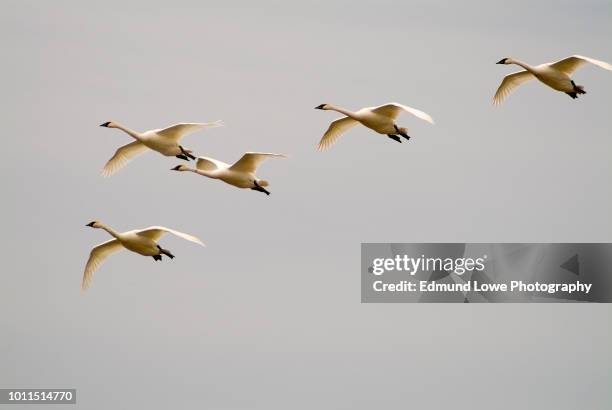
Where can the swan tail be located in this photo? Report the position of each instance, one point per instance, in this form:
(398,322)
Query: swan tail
(579,89)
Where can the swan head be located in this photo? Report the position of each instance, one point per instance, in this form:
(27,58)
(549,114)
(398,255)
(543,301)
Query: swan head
(109,124)
(94,224)
(180,168)
(505,61)
(322,107)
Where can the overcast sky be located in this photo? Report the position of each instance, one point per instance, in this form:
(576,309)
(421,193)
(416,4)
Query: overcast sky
(268,316)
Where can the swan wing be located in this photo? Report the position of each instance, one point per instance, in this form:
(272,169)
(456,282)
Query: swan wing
(122,156)
(156,232)
(570,64)
(96,257)
(177,131)
(210,164)
(336,129)
(509,83)
(393,109)
(251,160)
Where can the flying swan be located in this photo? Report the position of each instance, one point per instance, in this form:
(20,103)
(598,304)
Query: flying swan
(555,75)
(241,174)
(165,141)
(380,119)
(141,241)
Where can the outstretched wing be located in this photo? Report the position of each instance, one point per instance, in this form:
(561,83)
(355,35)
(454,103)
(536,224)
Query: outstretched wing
(156,232)
(570,64)
(336,129)
(177,131)
(210,164)
(122,156)
(251,160)
(393,109)
(96,257)
(509,83)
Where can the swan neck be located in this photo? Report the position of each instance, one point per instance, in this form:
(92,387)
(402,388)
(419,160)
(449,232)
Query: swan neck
(128,131)
(524,65)
(111,231)
(203,172)
(341,110)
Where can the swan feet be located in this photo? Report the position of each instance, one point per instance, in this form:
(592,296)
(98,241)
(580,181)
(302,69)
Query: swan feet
(395,138)
(163,251)
(186,155)
(403,134)
(259,188)
(578,89)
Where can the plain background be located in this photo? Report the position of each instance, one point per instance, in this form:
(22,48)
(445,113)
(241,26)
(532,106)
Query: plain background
(268,315)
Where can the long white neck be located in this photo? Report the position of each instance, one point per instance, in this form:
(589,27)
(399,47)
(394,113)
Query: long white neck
(128,131)
(110,230)
(342,111)
(524,65)
(209,174)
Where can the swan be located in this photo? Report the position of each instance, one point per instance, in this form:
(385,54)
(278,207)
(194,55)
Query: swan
(141,241)
(380,119)
(241,174)
(555,75)
(164,141)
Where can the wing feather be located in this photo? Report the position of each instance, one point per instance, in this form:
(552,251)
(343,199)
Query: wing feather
(122,156)
(336,129)
(96,257)
(251,160)
(570,64)
(393,109)
(177,131)
(210,164)
(156,232)
(509,83)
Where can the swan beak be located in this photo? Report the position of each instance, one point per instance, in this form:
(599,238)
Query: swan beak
(105,124)
(91,224)
(319,107)
(502,61)
(176,168)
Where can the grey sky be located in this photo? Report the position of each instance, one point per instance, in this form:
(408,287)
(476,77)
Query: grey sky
(268,315)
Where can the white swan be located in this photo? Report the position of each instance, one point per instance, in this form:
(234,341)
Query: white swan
(555,75)
(380,119)
(141,241)
(164,141)
(241,174)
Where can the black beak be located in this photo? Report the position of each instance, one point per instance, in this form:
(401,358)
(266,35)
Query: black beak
(105,124)
(176,168)
(91,224)
(502,61)
(319,107)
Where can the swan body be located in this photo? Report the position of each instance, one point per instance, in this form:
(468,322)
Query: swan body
(140,241)
(380,119)
(166,141)
(556,75)
(241,174)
